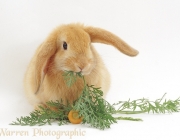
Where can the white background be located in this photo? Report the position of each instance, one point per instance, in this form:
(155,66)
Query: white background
(152,27)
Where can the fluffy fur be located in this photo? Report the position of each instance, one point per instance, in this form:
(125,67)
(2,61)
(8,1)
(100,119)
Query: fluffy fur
(43,79)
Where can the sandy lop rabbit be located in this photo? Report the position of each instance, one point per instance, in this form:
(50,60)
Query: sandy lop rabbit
(69,48)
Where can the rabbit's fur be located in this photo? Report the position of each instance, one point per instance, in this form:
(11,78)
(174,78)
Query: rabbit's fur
(69,48)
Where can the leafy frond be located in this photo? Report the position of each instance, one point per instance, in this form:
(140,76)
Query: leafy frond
(95,111)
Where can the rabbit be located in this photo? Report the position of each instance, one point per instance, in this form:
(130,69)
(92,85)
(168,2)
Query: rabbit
(69,48)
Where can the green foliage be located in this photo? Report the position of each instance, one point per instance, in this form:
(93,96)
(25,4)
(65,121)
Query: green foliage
(46,115)
(144,105)
(95,111)
(128,118)
(71,77)
(92,107)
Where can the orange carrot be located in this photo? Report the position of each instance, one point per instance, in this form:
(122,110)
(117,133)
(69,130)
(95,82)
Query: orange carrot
(74,118)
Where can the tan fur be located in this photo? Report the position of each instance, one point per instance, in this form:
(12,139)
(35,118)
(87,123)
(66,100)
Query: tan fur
(43,79)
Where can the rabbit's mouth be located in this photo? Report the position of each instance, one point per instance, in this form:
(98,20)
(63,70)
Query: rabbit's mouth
(84,71)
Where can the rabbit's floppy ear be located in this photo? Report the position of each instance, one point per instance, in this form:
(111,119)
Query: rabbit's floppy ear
(42,59)
(102,36)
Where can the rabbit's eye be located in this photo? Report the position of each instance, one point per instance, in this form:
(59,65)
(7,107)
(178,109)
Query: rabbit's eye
(65,45)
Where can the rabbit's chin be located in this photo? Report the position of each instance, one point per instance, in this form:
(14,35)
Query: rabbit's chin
(86,73)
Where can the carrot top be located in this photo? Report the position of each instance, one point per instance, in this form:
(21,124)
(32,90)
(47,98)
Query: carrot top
(90,108)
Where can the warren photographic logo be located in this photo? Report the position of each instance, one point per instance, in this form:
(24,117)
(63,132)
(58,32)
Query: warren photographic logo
(39,132)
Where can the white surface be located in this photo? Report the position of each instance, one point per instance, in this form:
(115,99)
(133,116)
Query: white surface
(152,27)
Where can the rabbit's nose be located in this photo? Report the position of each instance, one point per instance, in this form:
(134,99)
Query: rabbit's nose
(80,68)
